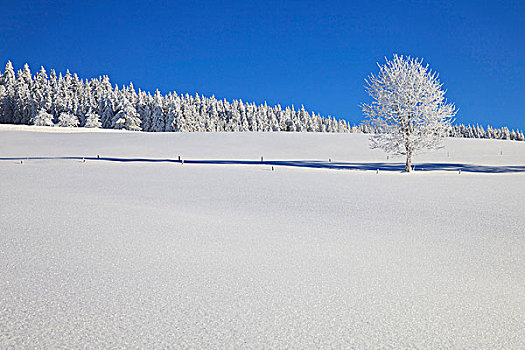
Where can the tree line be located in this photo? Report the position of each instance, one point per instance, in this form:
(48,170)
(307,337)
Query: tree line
(69,101)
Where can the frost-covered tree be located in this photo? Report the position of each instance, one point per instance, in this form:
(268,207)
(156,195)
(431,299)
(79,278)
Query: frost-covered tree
(189,116)
(106,109)
(127,116)
(157,117)
(173,113)
(67,120)
(408,108)
(40,93)
(42,118)
(22,113)
(7,94)
(93,120)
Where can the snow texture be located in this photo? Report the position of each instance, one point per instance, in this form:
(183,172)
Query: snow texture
(156,254)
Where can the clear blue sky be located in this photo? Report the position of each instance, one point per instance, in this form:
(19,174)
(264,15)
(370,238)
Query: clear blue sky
(315,53)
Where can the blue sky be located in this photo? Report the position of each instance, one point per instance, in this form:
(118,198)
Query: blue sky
(315,53)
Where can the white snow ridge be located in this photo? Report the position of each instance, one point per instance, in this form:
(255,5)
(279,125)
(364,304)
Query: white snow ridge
(108,241)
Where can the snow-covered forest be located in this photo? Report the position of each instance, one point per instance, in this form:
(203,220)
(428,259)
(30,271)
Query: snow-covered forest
(69,101)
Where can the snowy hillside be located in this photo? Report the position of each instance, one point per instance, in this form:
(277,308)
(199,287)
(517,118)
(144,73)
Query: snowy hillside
(137,250)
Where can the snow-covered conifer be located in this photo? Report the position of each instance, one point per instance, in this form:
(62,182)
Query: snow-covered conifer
(7,95)
(107,113)
(127,117)
(39,93)
(505,135)
(93,120)
(157,114)
(42,118)
(67,120)
(22,112)
(173,114)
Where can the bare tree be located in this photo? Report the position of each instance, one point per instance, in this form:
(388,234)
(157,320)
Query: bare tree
(408,108)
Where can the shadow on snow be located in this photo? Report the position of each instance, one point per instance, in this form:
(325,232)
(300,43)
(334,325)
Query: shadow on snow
(392,167)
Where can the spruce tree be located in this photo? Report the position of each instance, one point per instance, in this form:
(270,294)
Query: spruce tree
(42,118)
(126,117)
(67,120)
(93,120)
(7,95)
(157,115)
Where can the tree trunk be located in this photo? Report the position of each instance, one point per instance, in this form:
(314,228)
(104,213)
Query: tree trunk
(408,165)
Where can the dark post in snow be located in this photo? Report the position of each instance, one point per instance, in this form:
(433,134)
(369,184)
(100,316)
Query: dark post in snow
(262,159)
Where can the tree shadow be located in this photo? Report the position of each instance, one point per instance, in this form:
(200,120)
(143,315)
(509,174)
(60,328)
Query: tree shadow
(317,164)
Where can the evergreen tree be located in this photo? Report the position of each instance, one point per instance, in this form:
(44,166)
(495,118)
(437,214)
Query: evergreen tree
(67,120)
(42,118)
(7,94)
(127,117)
(93,120)
(40,98)
(107,104)
(53,93)
(157,115)
(173,114)
(23,96)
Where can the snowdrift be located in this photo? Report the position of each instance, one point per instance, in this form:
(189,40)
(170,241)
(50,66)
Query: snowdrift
(107,240)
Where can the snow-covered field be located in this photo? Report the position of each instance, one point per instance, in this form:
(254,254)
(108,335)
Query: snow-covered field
(136,250)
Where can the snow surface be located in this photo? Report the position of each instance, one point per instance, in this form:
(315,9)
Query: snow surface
(144,254)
